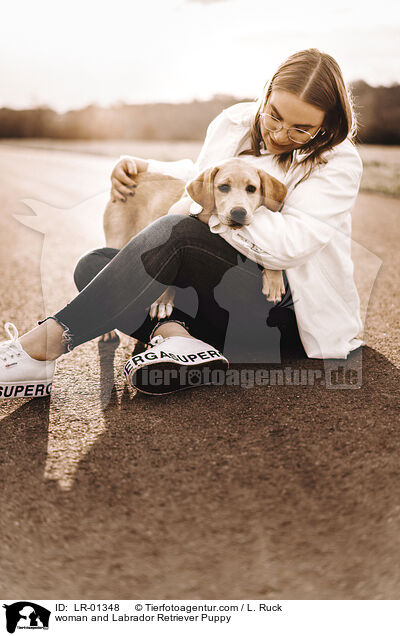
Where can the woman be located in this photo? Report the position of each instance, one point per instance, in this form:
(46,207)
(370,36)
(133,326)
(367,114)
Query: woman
(301,132)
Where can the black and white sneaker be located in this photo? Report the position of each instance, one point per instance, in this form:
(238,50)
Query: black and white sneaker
(174,363)
(21,375)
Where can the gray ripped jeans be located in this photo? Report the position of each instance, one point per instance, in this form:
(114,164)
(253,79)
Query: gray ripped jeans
(218,293)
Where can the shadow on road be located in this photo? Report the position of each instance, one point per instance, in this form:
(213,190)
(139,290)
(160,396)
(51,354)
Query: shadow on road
(220,492)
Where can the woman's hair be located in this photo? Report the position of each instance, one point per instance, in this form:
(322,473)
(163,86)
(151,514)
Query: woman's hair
(316,78)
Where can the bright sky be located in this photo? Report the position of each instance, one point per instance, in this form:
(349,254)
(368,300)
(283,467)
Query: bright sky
(70,54)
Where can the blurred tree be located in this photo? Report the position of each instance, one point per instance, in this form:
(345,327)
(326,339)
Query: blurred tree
(378,110)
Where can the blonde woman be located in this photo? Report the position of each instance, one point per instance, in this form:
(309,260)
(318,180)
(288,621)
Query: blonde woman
(301,132)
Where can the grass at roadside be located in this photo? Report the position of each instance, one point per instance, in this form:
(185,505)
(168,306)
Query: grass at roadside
(381,169)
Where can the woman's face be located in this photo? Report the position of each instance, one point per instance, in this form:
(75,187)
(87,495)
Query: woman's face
(292,112)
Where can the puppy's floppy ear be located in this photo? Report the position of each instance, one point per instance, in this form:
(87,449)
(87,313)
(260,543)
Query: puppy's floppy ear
(201,189)
(273,191)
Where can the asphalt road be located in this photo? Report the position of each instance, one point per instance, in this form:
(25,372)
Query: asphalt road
(282,491)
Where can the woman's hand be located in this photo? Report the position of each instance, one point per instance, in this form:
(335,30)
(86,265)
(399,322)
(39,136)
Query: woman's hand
(123,177)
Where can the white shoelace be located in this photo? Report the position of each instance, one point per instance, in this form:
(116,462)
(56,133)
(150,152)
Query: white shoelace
(12,348)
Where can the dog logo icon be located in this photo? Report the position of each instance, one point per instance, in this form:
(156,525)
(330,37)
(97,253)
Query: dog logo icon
(194,377)
(26,615)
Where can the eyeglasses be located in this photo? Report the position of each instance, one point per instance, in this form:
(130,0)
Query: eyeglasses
(272,124)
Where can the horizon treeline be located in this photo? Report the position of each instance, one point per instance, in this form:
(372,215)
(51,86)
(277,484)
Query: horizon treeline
(377,108)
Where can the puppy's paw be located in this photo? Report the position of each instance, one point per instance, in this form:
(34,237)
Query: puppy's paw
(164,305)
(274,296)
(161,310)
(273,286)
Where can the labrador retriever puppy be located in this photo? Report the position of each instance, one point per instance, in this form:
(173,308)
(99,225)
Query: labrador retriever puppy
(233,190)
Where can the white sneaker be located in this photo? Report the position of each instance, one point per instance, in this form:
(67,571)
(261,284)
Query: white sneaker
(21,375)
(175,363)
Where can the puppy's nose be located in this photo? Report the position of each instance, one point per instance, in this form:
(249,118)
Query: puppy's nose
(238,215)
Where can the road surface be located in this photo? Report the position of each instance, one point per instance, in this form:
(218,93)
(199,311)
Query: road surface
(270,492)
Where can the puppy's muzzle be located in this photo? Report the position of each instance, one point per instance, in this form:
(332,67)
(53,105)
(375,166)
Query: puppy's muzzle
(238,215)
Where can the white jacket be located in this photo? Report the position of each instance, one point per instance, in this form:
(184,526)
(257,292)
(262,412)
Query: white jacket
(310,238)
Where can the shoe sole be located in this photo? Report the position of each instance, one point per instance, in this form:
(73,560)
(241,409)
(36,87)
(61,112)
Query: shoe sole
(169,377)
(35,388)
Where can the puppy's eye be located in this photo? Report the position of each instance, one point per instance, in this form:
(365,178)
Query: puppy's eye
(224,187)
(251,189)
